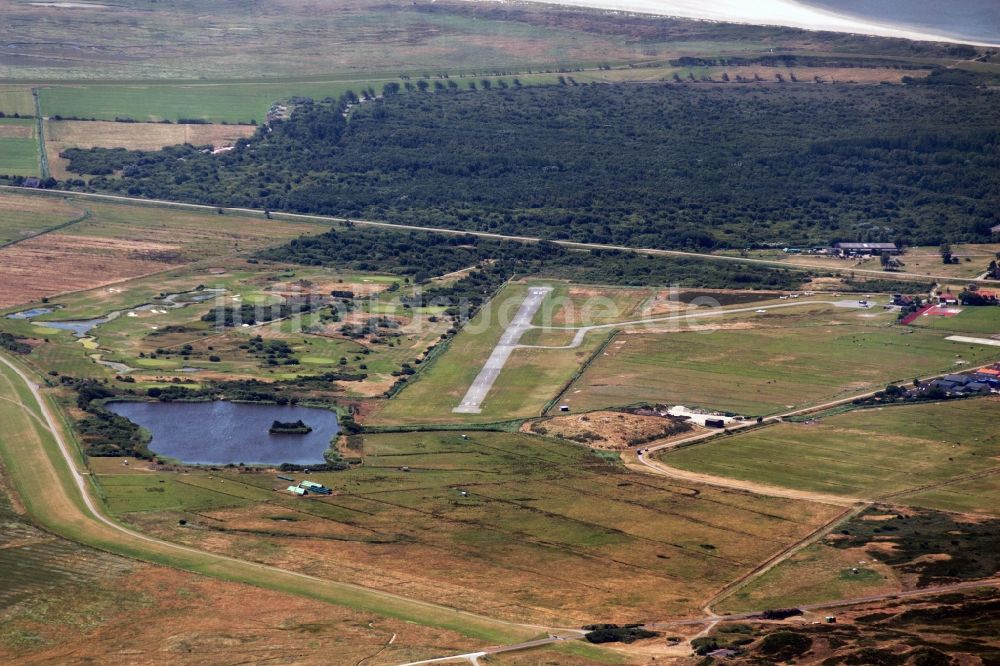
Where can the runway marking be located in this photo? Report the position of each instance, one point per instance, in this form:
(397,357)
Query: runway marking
(473,400)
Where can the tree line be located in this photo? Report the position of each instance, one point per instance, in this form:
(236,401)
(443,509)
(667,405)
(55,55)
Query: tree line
(664,166)
(423,255)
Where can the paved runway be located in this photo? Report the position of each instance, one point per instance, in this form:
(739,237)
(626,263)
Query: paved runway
(473,400)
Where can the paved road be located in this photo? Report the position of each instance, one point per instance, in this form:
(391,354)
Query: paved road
(473,400)
(485,234)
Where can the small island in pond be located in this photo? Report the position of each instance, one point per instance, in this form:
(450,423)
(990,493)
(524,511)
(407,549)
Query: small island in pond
(289,428)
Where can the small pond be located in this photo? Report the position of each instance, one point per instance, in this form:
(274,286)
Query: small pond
(28,314)
(219,433)
(82,327)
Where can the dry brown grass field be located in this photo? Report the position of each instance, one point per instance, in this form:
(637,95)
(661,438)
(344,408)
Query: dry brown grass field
(63,134)
(56,263)
(17,131)
(16,99)
(116,242)
(149,614)
(65,603)
(562,535)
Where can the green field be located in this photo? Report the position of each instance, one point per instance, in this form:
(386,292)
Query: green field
(22,216)
(978,495)
(776,362)
(16,99)
(219,102)
(232,103)
(19,154)
(864,453)
(159,492)
(980,320)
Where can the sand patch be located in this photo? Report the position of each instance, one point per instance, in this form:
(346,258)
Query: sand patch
(605,430)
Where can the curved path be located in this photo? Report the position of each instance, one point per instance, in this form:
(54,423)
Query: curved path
(59,497)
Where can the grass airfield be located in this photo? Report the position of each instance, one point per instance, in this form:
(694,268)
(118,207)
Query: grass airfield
(769,363)
(563,534)
(569,533)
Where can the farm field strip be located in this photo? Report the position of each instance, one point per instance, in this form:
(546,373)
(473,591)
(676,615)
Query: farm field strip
(242,102)
(19,148)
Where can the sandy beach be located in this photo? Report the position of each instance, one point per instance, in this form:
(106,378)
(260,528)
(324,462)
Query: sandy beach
(758,12)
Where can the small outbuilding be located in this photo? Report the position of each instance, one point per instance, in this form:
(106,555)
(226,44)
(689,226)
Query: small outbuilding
(866,248)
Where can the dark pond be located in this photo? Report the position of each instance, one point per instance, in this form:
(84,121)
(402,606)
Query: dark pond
(219,433)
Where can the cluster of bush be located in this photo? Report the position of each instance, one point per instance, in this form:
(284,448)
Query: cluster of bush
(422,255)
(104,433)
(14,343)
(613,633)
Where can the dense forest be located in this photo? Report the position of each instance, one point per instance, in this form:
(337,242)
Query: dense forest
(422,255)
(664,165)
